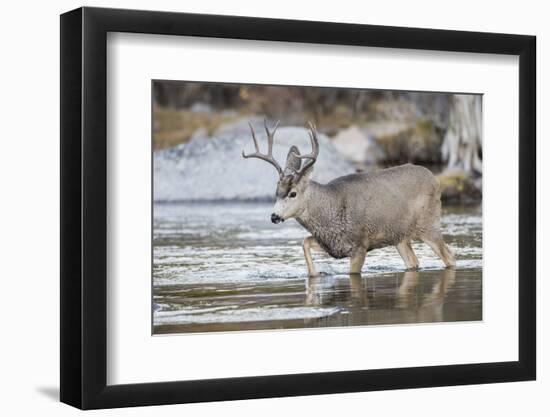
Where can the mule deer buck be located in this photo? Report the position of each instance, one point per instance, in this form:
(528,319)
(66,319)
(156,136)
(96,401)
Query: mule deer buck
(354,214)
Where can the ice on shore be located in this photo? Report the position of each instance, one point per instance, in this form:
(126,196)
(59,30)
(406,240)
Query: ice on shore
(212,168)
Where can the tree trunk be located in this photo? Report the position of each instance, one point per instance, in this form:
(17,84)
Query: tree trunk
(462,143)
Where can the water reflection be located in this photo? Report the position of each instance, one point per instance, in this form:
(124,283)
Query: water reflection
(327,301)
(400,298)
(322,290)
(239,272)
(429,308)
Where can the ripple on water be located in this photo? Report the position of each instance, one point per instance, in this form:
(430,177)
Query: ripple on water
(207,246)
(243,315)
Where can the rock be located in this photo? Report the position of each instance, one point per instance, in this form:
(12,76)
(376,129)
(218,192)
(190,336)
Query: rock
(201,132)
(201,108)
(392,138)
(416,142)
(357,146)
(212,168)
(425,143)
(458,187)
(241,127)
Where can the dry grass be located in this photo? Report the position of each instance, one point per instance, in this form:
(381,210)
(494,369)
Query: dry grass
(176,126)
(172,127)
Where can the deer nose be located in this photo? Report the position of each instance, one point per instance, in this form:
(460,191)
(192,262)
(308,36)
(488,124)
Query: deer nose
(275,219)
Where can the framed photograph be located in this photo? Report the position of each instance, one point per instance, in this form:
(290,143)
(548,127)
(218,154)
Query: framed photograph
(257,208)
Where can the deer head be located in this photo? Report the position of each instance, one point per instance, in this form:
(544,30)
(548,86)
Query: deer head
(293,180)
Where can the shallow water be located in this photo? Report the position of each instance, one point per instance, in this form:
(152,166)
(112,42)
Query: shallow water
(225,266)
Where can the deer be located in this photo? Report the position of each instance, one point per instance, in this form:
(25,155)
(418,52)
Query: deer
(356,213)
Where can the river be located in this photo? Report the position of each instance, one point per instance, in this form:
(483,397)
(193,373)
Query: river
(226,267)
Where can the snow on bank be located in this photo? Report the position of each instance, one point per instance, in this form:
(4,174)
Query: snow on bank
(212,168)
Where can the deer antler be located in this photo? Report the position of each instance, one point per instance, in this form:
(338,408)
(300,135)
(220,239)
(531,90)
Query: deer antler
(311,156)
(269,156)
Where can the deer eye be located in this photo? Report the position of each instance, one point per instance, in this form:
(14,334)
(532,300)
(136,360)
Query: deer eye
(292,194)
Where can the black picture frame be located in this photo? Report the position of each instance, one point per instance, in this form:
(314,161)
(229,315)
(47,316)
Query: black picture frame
(84,207)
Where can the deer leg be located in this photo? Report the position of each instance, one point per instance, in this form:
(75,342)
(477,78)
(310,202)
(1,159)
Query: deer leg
(438,245)
(308,244)
(406,251)
(357,260)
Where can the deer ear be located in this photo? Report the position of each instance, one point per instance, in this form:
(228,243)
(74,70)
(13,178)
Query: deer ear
(293,163)
(306,175)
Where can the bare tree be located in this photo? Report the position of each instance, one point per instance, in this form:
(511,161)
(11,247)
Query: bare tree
(462,143)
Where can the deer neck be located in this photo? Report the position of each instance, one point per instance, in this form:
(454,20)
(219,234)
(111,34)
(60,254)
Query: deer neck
(320,205)
(327,219)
